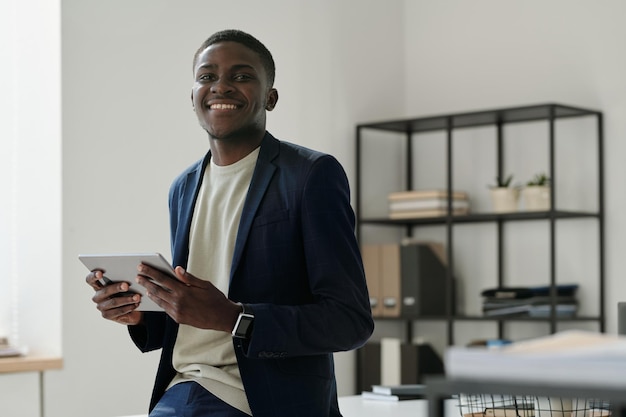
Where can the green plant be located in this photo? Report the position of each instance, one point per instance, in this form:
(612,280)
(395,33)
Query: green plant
(540,180)
(503,182)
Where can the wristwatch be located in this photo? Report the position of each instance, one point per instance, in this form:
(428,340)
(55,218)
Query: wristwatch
(243,326)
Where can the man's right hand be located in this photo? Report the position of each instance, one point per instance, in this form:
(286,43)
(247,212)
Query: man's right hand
(112,305)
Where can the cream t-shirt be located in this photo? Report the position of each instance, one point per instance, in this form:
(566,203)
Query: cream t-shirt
(208,356)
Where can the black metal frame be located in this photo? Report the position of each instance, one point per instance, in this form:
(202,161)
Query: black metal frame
(439,389)
(498,117)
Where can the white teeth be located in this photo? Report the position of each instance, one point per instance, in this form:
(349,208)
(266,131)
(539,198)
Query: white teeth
(223,107)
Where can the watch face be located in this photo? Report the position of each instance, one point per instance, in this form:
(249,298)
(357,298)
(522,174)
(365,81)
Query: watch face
(244,323)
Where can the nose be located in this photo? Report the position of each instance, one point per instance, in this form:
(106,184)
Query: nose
(221,86)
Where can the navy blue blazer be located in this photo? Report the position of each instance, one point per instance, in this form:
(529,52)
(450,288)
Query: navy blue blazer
(297,265)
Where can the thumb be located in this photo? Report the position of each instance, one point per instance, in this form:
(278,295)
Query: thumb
(183,276)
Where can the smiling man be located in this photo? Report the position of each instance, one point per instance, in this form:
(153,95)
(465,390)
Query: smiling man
(270,278)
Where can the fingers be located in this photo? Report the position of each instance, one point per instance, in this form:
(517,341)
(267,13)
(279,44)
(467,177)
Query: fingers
(128,315)
(113,300)
(132,318)
(116,308)
(186,278)
(95,279)
(154,275)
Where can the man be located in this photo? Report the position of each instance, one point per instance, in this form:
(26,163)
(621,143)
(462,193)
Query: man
(270,278)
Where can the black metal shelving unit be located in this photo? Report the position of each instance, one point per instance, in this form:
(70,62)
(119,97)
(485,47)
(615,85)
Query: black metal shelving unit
(550,112)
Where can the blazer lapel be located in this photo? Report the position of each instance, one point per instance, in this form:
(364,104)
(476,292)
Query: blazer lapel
(261,178)
(186,204)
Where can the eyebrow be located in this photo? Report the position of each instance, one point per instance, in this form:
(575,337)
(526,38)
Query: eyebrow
(234,67)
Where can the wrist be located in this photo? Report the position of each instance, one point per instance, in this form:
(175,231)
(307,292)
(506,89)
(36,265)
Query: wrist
(233,315)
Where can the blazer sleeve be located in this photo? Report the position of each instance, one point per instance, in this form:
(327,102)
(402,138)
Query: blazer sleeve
(148,336)
(337,316)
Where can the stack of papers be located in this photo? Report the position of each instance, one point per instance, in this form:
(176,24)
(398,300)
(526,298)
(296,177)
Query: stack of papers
(7,351)
(566,358)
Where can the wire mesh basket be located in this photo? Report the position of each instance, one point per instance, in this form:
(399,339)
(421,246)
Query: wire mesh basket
(484,405)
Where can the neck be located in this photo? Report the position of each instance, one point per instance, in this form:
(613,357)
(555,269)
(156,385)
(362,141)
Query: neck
(227,152)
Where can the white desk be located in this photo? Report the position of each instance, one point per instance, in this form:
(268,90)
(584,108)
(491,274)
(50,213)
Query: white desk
(355,406)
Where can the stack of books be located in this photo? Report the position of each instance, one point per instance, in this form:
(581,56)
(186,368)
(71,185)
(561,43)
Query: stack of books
(426,203)
(530,301)
(395,392)
(6,350)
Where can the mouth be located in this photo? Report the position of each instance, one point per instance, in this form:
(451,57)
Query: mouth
(222,106)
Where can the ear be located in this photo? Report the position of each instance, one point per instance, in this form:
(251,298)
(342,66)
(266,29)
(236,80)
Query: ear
(272,99)
(191,95)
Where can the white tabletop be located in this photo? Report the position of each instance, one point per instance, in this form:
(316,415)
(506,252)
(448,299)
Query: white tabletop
(355,406)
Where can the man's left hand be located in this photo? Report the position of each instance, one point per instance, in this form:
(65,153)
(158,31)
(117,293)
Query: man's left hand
(189,300)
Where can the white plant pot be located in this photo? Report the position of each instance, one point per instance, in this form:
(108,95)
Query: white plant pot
(504,200)
(536,198)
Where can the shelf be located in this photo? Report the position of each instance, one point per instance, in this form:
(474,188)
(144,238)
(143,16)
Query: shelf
(29,364)
(498,119)
(484,217)
(480,118)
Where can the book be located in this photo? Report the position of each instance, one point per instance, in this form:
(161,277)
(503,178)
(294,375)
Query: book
(415,214)
(494,302)
(508,292)
(531,310)
(425,194)
(424,285)
(369,366)
(507,311)
(391,280)
(10,351)
(527,292)
(537,306)
(390,361)
(561,289)
(371,255)
(427,204)
(403,389)
(369,395)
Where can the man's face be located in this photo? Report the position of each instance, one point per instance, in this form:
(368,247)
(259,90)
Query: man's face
(231,93)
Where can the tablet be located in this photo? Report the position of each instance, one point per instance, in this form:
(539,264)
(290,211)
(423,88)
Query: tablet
(119,267)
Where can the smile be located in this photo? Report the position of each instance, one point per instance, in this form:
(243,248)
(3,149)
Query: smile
(222,107)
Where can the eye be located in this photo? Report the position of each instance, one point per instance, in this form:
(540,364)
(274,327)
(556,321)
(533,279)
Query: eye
(205,77)
(242,77)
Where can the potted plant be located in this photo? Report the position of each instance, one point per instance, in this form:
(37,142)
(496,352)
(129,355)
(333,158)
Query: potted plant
(504,195)
(536,193)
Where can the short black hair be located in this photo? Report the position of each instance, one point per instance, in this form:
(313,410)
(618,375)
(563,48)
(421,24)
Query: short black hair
(234,35)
